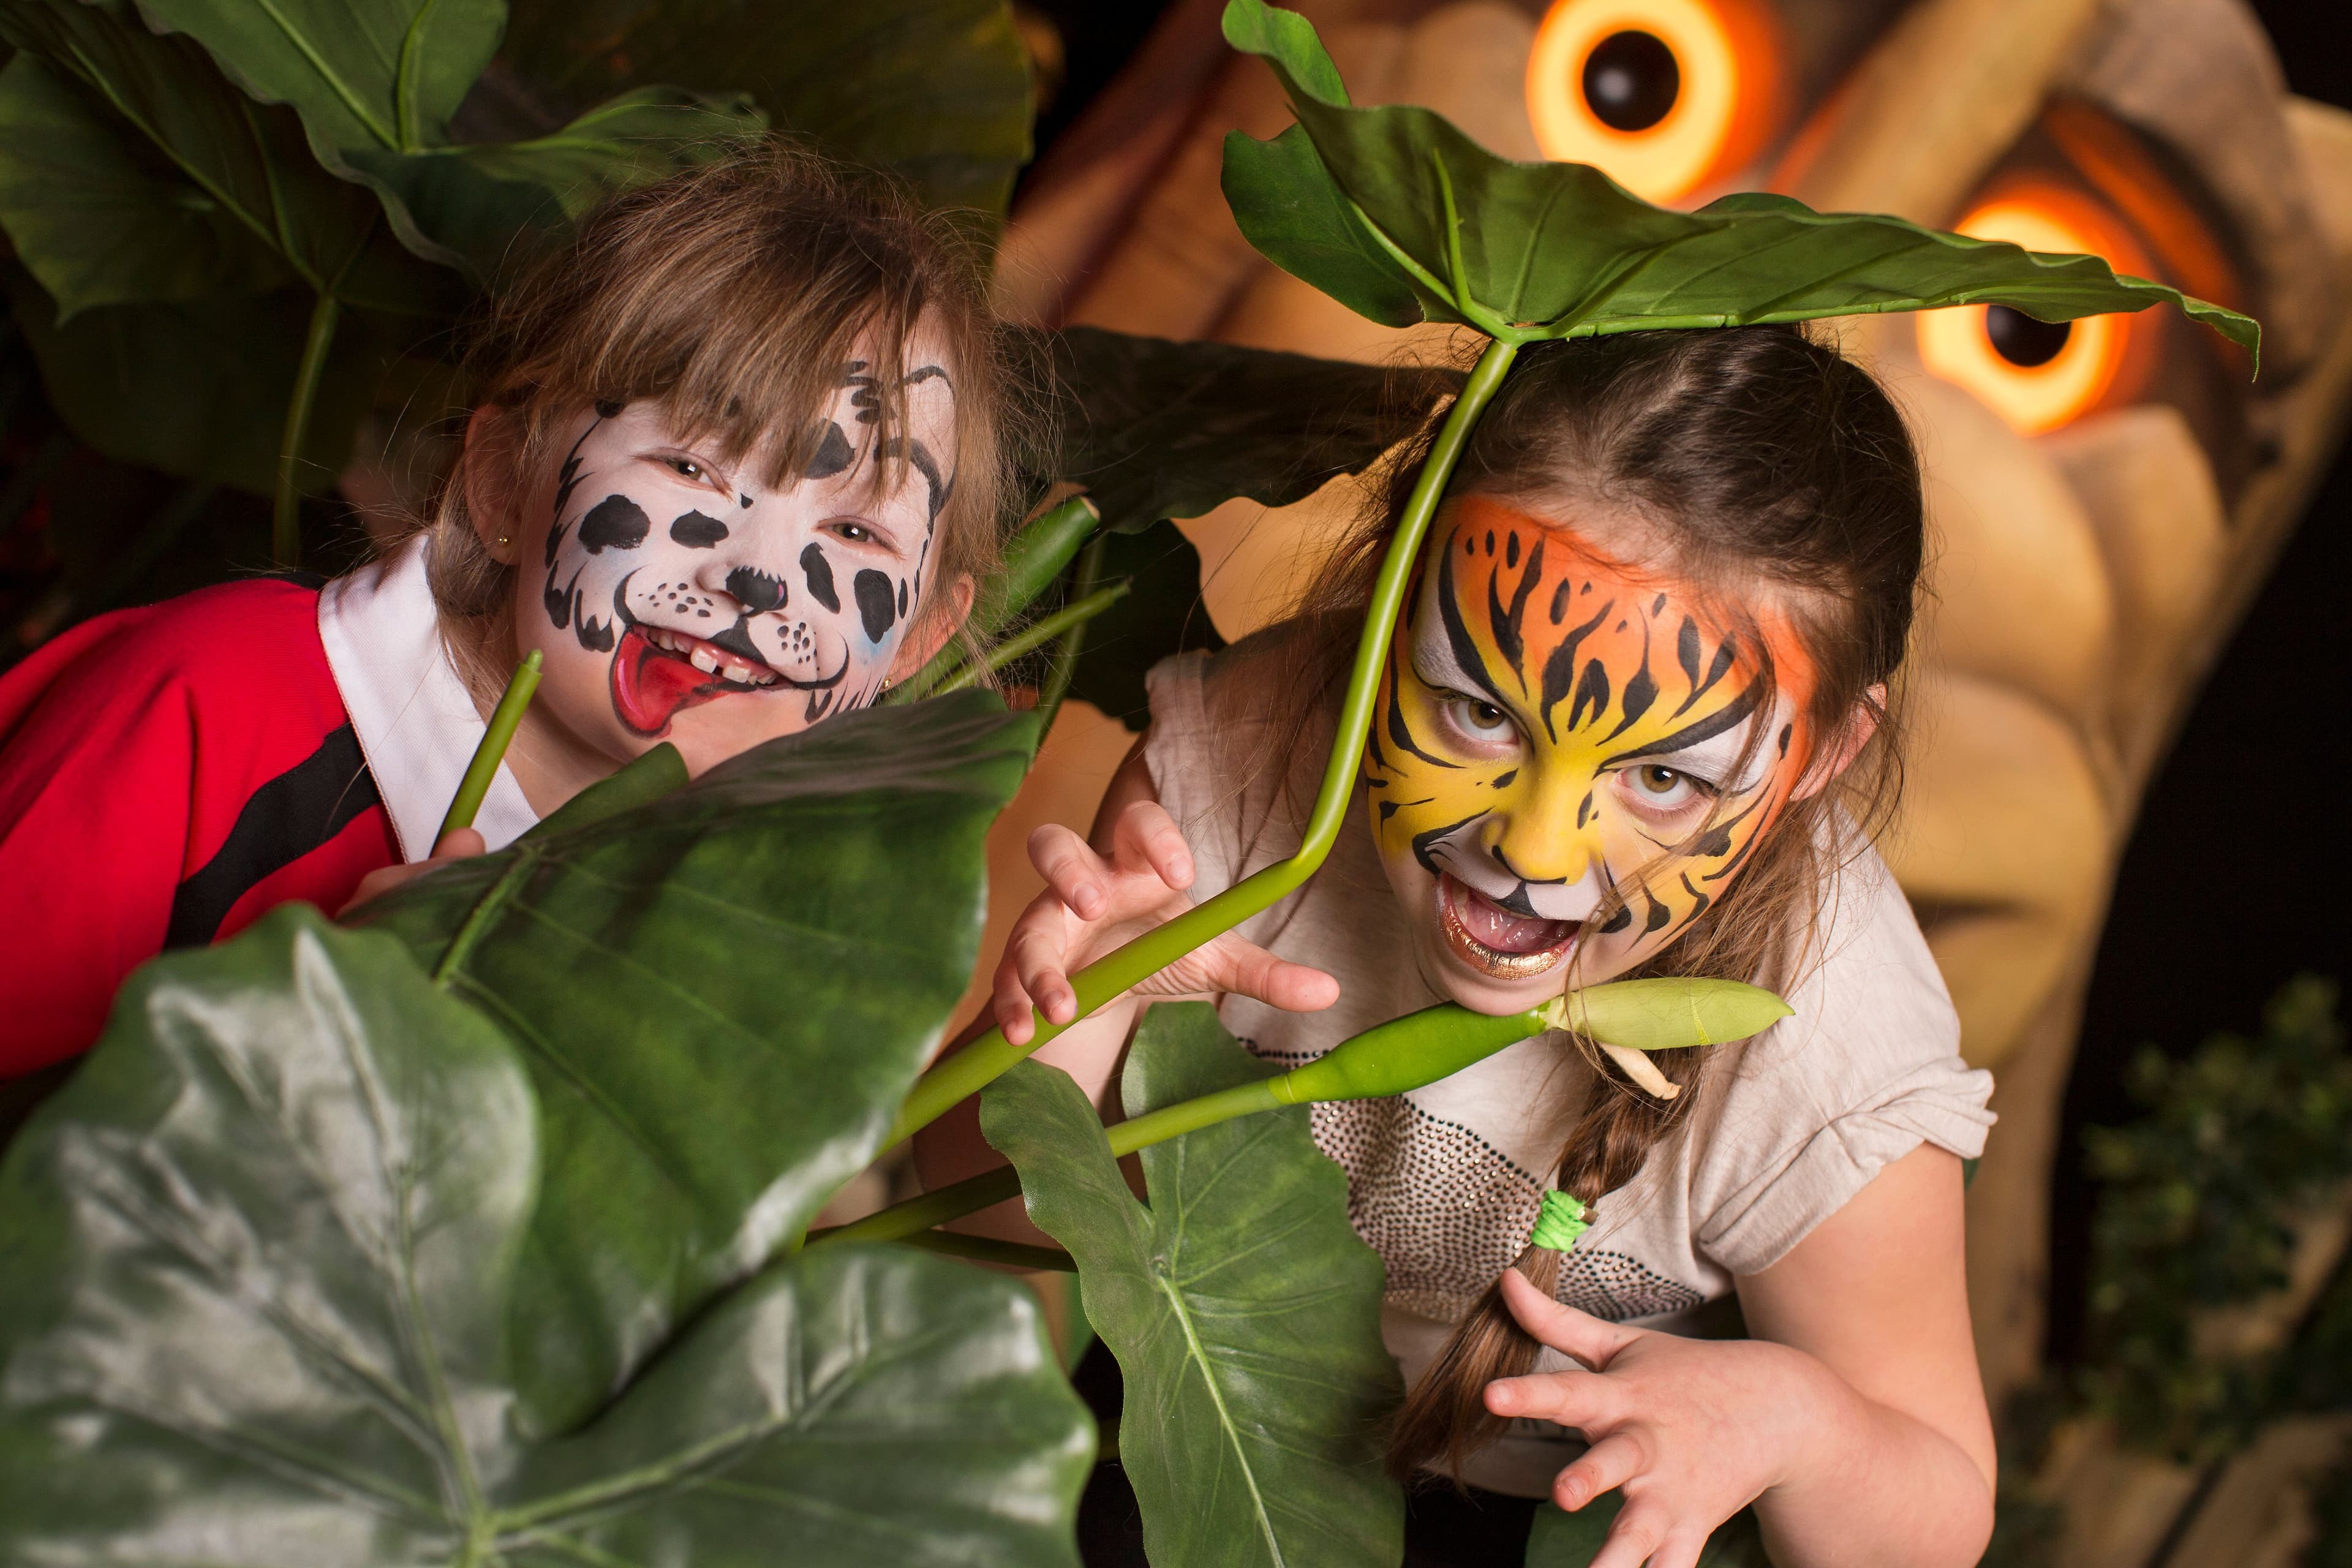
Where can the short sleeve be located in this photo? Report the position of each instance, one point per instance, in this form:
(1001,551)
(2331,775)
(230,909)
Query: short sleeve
(1219,760)
(1866,1070)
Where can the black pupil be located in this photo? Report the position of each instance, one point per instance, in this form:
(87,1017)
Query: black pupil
(2022,341)
(1631,81)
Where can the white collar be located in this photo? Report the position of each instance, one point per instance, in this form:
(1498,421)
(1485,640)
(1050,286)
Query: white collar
(416,724)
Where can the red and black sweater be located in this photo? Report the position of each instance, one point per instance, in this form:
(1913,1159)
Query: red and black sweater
(166,775)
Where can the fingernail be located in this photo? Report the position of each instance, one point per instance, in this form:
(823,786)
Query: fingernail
(1572,1496)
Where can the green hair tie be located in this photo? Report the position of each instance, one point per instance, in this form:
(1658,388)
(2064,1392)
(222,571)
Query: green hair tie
(1558,1223)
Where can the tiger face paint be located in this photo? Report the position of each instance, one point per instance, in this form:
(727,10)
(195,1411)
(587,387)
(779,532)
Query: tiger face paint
(693,601)
(1568,752)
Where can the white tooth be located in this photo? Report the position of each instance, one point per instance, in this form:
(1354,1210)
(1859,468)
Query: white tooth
(700,658)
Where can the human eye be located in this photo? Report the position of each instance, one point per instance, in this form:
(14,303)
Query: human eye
(856,532)
(1664,791)
(1479,721)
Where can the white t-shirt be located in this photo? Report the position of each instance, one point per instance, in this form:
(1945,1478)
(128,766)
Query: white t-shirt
(1444,1182)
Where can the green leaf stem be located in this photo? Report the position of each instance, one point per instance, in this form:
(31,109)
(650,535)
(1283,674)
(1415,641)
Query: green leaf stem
(1242,1307)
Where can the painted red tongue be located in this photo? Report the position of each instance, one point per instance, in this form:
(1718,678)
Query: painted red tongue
(649,686)
(1491,925)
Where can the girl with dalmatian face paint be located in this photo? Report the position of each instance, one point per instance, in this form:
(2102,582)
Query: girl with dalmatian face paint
(736,466)
(685,596)
(1634,721)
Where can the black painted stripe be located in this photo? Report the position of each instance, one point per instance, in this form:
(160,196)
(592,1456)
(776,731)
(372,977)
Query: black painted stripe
(285,819)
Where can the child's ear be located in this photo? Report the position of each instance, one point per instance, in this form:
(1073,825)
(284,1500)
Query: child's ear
(492,503)
(1860,726)
(950,603)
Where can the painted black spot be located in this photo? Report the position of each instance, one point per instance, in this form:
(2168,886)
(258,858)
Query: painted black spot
(746,501)
(1469,547)
(1657,604)
(755,590)
(1687,650)
(1490,541)
(871,589)
(595,635)
(902,598)
(697,530)
(1511,550)
(1786,730)
(1503,781)
(1388,809)
(1559,603)
(607,409)
(833,454)
(1656,922)
(616,522)
(818,571)
(1584,809)
(1617,922)
(1640,692)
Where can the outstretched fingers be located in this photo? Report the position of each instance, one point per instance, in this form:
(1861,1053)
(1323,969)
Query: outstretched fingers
(1562,1327)
(1246,969)
(1145,835)
(1074,873)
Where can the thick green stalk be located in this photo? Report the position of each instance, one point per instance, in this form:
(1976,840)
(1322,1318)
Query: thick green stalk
(1067,618)
(1390,1059)
(286,522)
(497,736)
(978,1065)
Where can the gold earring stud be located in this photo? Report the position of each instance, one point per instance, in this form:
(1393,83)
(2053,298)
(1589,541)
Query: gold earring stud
(502,541)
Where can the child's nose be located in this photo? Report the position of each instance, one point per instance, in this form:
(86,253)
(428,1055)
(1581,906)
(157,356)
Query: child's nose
(757,591)
(1548,835)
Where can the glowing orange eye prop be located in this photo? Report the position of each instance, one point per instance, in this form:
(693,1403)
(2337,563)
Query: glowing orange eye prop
(2039,376)
(1664,96)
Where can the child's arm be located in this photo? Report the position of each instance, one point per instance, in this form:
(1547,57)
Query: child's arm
(1127,876)
(1855,1419)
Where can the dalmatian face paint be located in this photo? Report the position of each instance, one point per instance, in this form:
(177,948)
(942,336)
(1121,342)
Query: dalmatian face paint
(1569,753)
(686,582)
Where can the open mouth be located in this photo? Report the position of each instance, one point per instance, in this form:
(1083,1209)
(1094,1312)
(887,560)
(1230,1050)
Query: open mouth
(1494,940)
(659,674)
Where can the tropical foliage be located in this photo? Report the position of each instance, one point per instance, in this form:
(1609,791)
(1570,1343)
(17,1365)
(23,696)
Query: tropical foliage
(474,1230)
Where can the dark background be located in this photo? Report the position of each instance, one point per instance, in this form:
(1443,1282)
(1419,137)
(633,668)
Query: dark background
(2234,880)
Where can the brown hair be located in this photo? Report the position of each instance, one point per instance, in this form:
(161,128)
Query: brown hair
(730,294)
(1750,457)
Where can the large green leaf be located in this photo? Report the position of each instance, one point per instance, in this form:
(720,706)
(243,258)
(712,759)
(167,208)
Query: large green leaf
(935,91)
(247,164)
(1163,614)
(1400,216)
(382,73)
(375,83)
(198,388)
(485,206)
(97,219)
(264,1252)
(1242,1309)
(722,997)
(1158,429)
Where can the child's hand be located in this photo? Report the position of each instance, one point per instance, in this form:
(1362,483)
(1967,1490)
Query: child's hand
(454,844)
(1091,906)
(1694,1430)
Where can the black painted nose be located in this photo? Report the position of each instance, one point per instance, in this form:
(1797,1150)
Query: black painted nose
(755,590)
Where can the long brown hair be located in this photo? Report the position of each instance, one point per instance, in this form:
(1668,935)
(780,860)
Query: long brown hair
(1751,458)
(731,294)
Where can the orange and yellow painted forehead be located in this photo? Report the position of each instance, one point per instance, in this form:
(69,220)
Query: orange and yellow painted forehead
(1590,651)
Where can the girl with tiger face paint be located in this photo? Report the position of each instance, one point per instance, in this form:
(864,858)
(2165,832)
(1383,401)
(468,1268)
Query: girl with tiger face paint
(1572,756)
(1633,722)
